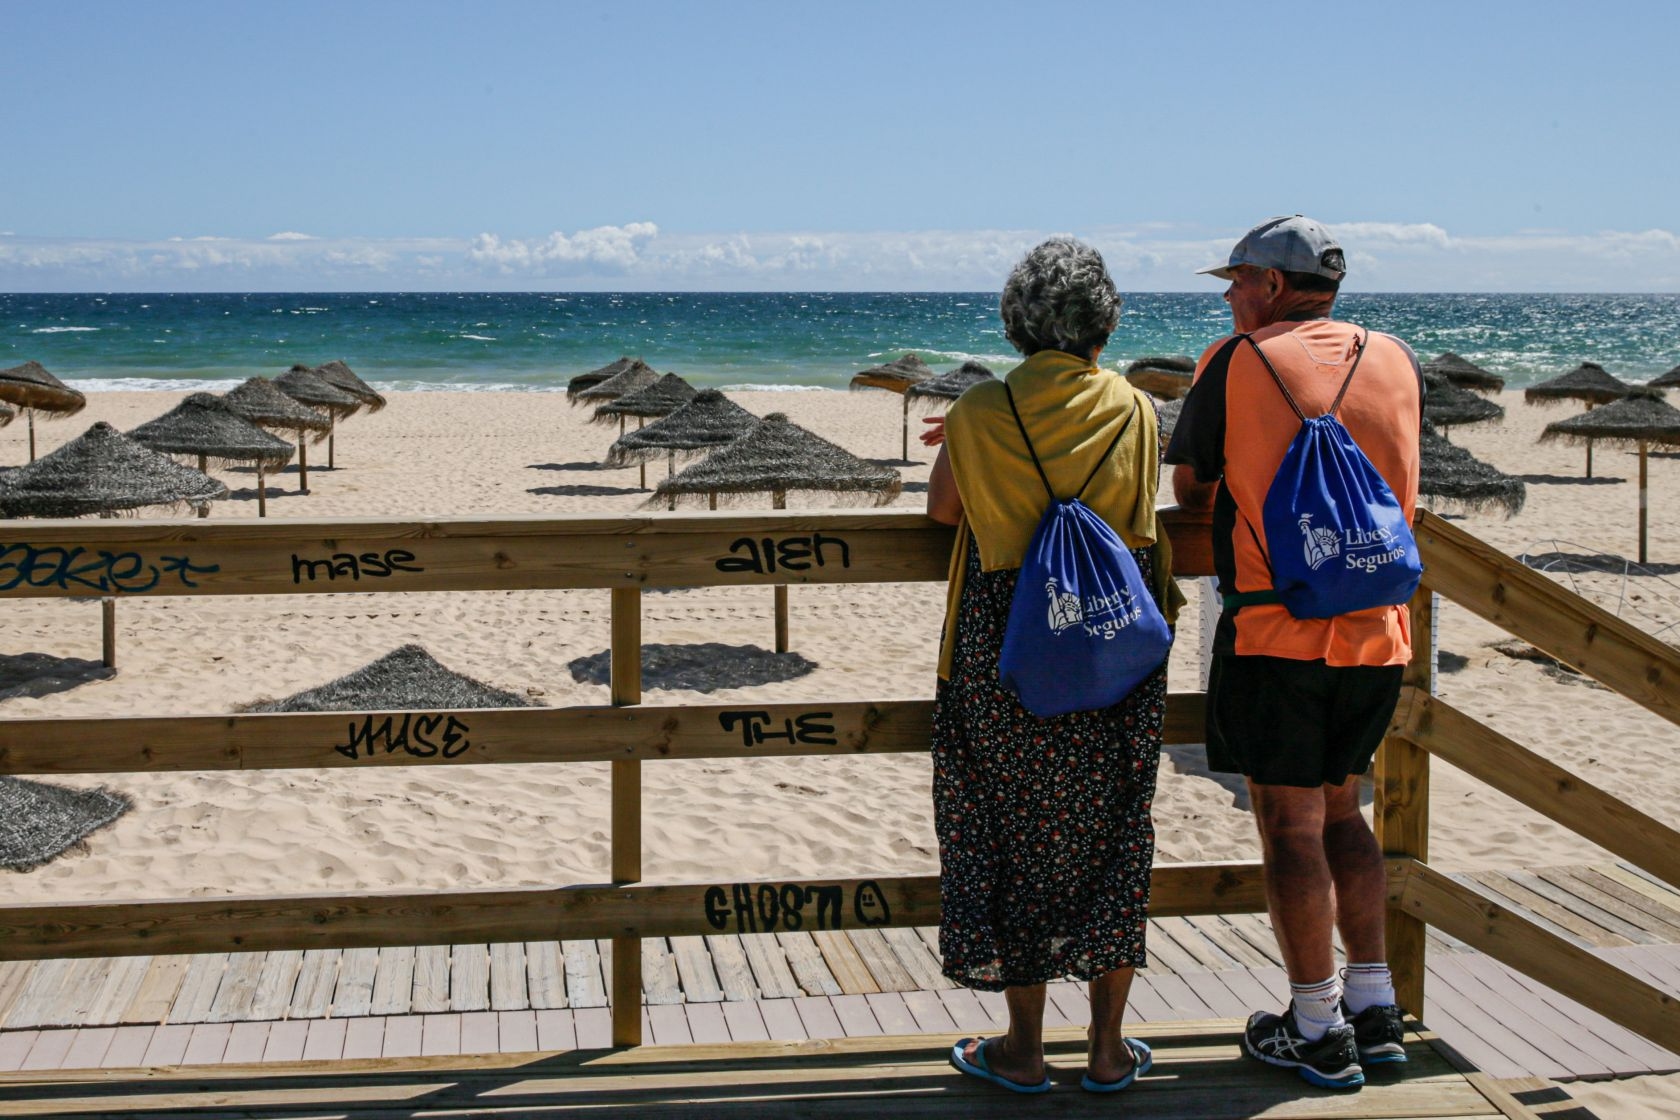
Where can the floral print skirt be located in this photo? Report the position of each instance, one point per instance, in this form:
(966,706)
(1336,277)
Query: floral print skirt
(1045,837)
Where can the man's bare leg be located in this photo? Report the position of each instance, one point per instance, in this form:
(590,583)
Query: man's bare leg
(1357,868)
(1298,879)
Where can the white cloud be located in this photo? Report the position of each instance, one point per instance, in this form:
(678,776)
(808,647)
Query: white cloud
(1393,256)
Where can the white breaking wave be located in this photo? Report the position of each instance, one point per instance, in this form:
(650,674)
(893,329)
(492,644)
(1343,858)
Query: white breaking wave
(61,330)
(152,384)
(477,337)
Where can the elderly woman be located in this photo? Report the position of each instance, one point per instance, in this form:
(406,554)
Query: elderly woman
(1045,839)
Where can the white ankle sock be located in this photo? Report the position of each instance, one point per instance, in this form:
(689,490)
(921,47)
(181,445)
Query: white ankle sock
(1318,1007)
(1367,985)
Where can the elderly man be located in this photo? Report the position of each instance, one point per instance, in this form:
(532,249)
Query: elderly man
(1298,705)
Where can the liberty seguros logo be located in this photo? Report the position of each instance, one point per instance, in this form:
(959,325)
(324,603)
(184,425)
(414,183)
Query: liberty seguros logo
(1102,615)
(1361,548)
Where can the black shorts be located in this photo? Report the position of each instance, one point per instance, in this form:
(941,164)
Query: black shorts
(1297,723)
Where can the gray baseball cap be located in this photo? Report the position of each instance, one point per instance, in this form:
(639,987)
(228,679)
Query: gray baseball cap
(1291,244)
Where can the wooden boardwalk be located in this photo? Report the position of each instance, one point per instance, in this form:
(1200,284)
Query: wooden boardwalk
(438,1001)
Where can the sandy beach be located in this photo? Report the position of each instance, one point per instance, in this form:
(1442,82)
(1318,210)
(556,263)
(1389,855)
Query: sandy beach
(486,453)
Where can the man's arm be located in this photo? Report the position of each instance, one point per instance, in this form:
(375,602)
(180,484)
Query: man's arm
(1192,495)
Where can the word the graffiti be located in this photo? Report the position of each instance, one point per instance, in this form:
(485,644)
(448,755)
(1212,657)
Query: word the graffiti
(769,907)
(354,567)
(812,728)
(432,735)
(797,554)
(76,569)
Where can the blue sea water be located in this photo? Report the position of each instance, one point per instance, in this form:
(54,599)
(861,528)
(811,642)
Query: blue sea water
(538,340)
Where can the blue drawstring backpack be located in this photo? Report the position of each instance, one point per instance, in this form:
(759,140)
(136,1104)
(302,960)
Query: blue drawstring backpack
(1083,628)
(1337,537)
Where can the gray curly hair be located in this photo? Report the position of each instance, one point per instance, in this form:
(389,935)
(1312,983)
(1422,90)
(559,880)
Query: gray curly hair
(1060,297)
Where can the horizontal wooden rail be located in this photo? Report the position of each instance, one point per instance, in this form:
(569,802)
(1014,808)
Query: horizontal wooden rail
(1506,935)
(123,745)
(70,559)
(1537,782)
(1535,609)
(344,921)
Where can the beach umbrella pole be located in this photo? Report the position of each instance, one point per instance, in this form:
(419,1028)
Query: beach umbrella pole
(30,412)
(906,455)
(780,502)
(1644,502)
(203,468)
(643,463)
(108,629)
(1589,446)
(262,492)
(331,431)
(303,464)
(671,469)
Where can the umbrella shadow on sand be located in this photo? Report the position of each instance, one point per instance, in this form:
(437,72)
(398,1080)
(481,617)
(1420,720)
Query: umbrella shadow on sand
(1569,480)
(42,674)
(1593,562)
(698,667)
(583,490)
(590,465)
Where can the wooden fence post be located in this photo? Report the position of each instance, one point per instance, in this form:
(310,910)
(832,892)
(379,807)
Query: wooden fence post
(627,815)
(108,632)
(1401,813)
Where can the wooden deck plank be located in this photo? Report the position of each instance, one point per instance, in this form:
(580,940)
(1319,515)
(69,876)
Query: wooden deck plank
(1070,1001)
(1636,1046)
(509,977)
(237,992)
(13,976)
(1180,998)
(364,1038)
(393,981)
(781,1019)
(1212,990)
(844,963)
(469,977)
(884,966)
(49,1050)
(286,1041)
(584,984)
(168,1045)
(1218,929)
(1167,955)
(481,1033)
(403,1035)
(91,1046)
(247,1041)
(276,983)
(207,1044)
(769,966)
(668,1025)
(930,1012)
(128,1047)
(1560,1038)
(1601,917)
(695,971)
(158,990)
(744,1021)
(324,1041)
(891,1013)
(1629,903)
(545,975)
(41,1003)
(809,969)
(353,994)
(317,978)
(1636,880)
(967,1012)
(14,1047)
(199,987)
(734,971)
(1194,940)
(594,1027)
(556,1029)
(440,1034)
(1493,1046)
(517,1030)
(818,1017)
(1249,991)
(116,990)
(1543,910)
(918,960)
(1671,890)
(1143,1004)
(706,1022)
(855,1016)
(660,985)
(431,980)
(1256,931)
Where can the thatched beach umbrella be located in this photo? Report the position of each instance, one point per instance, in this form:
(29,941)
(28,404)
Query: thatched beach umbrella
(1454,370)
(896,376)
(949,385)
(1669,380)
(7,414)
(1163,375)
(775,457)
(38,821)
(342,377)
(1167,414)
(102,471)
(203,425)
(1641,418)
(1450,474)
(1587,382)
(406,679)
(661,398)
(596,376)
(636,375)
(33,389)
(306,386)
(1448,406)
(260,401)
(708,421)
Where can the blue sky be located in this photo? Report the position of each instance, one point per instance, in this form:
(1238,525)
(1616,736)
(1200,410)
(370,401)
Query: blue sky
(713,145)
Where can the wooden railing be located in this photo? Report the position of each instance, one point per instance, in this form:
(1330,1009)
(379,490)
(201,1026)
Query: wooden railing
(627,555)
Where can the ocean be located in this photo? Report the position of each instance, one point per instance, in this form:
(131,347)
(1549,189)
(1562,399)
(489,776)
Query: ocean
(538,340)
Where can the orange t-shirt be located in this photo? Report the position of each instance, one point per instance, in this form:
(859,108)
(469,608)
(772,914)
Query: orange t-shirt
(1236,427)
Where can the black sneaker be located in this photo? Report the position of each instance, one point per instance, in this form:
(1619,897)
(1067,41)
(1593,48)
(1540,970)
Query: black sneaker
(1379,1032)
(1332,1062)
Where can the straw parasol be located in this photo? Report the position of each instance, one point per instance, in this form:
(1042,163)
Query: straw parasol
(1451,474)
(636,375)
(1167,413)
(949,385)
(7,414)
(1587,382)
(306,386)
(406,679)
(1669,380)
(203,425)
(707,421)
(38,821)
(896,376)
(1641,418)
(1454,370)
(33,389)
(1447,406)
(102,471)
(1163,375)
(775,457)
(260,401)
(343,378)
(661,398)
(596,376)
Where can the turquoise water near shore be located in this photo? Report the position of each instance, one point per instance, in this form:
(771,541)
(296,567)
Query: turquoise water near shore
(538,340)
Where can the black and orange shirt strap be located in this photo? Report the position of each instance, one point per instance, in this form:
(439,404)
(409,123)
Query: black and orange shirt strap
(1198,438)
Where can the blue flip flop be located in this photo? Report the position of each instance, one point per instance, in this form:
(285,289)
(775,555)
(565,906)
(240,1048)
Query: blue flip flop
(1142,1059)
(979,1068)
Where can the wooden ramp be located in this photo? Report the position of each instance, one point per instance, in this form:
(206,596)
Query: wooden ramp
(1198,1073)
